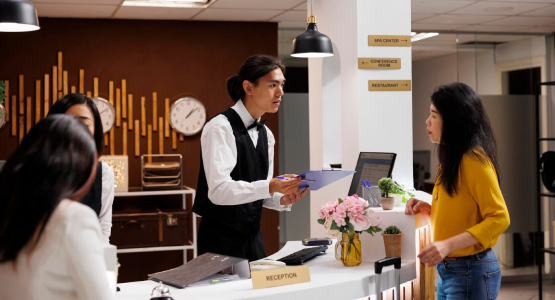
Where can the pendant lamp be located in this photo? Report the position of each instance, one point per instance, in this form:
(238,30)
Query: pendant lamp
(312,43)
(18,16)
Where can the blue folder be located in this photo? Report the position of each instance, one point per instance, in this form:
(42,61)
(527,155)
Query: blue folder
(321,178)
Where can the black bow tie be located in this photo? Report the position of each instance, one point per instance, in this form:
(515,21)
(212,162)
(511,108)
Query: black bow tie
(257,124)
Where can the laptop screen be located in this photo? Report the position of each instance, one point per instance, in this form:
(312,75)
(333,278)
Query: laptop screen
(371,166)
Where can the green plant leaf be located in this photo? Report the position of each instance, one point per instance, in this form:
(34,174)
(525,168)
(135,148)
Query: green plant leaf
(350,227)
(340,200)
(334,226)
(404,199)
(321,221)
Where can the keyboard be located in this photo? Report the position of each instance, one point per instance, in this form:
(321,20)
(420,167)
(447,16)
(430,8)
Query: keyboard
(304,255)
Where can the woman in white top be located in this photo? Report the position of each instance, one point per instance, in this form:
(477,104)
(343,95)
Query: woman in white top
(101,195)
(50,244)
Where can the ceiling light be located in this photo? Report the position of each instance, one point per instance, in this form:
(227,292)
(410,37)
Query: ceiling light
(499,9)
(167,3)
(18,16)
(422,35)
(312,43)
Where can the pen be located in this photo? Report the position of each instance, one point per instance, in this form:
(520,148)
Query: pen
(289,178)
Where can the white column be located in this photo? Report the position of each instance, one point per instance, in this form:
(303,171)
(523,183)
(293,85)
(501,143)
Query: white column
(339,96)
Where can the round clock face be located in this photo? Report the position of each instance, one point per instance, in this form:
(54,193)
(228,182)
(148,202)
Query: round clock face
(2,115)
(187,116)
(107,113)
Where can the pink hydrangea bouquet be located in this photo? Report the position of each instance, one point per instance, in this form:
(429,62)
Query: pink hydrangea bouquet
(349,215)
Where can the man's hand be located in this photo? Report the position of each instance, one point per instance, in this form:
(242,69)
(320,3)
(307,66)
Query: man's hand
(285,186)
(415,206)
(292,198)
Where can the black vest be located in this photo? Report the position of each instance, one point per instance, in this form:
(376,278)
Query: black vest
(93,198)
(252,165)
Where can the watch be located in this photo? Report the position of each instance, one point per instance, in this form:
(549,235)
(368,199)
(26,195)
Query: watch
(2,115)
(187,116)
(107,113)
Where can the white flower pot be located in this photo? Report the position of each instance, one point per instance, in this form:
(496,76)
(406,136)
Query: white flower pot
(398,199)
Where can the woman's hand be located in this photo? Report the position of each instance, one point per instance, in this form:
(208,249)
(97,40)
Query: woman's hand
(285,186)
(434,253)
(292,198)
(415,206)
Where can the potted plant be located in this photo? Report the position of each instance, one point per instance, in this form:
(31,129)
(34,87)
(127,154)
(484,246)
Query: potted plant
(392,241)
(350,216)
(386,185)
(399,194)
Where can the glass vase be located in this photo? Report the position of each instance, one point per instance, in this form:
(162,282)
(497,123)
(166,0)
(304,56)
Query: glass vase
(348,250)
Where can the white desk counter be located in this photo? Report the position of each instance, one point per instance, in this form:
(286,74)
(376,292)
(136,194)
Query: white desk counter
(329,280)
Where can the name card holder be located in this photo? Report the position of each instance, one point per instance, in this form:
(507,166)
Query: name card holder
(280,277)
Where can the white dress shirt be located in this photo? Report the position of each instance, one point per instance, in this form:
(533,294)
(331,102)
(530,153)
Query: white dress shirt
(67,264)
(219,154)
(107,199)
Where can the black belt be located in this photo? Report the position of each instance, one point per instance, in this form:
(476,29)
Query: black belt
(477,256)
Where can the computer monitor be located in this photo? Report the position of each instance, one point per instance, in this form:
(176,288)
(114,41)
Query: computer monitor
(371,166)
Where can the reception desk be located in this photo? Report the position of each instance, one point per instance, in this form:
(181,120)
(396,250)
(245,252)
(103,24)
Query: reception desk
(329,278)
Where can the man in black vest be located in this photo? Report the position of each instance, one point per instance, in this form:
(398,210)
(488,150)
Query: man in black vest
(235,177)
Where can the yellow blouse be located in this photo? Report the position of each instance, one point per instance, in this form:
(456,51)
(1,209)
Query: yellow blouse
(478,207)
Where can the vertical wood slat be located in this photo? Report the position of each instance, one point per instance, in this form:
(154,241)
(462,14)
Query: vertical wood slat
(46,94)
(181,137)
(124,99)
(14,116)
(54,84)
(111,92)
(66,84)
(137,139)
(21,128)
(112,142)
(124,137)
(149,142)
(81,81)
(38,102)
(130,115)
(7,99)
(95,87)
(143,117)
(59,87)
(60,95)
(161,135)
(21,95)
(430,272)
(167,116)
(174,140)
(89,94)
(106,141)
(118,107)
(408,290)
(29,116)
(154,111)
(73,89)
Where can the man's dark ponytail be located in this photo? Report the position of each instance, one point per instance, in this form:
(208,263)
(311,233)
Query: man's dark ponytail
(253,68)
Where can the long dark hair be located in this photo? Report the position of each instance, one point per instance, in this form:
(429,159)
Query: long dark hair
(466,130)
(69,100)
(252,69)
(54,161)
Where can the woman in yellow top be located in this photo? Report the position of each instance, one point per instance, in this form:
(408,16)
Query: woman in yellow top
(468,212)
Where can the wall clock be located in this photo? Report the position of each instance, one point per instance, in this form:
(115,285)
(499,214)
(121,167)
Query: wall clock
(107,113)
(187,116)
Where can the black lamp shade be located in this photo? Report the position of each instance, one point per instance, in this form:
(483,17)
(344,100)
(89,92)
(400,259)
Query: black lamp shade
(312,43)
(18,16)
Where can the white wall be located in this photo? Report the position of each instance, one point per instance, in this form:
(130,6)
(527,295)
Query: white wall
(369,121)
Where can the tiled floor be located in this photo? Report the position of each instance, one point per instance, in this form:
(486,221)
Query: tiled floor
(526,291)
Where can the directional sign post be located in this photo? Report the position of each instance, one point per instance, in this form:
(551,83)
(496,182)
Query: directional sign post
(379,63)
(389,40)
(389,85)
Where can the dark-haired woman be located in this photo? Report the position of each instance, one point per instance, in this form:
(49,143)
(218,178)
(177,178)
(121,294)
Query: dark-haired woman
(101,195)
(51,245)
(236,174)
(468,212)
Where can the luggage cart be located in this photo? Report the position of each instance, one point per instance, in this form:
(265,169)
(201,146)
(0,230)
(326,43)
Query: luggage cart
(378,266)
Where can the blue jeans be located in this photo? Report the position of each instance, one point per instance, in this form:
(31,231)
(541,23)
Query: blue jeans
(474,277)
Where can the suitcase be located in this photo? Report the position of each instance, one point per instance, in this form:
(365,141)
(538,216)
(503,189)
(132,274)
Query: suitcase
(150,229)
(378,266)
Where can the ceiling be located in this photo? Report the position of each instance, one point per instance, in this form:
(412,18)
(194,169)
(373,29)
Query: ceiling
(509,18)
